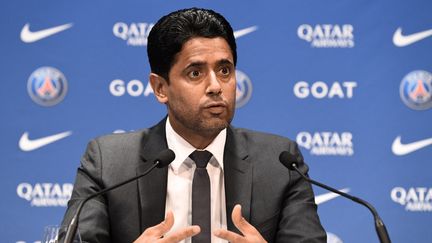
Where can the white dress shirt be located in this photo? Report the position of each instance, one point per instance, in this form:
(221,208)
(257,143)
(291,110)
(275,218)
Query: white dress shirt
(180,175)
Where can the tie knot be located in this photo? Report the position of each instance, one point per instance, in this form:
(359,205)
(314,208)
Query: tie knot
(201,158)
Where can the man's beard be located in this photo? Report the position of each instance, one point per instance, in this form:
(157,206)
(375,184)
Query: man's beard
(207,127)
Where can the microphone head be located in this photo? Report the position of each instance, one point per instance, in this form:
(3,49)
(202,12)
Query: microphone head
(288,160)
(165,157)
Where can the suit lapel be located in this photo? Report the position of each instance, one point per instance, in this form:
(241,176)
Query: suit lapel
(152,187)
(238,176)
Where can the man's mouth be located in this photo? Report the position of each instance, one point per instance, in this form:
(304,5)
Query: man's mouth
(216,107)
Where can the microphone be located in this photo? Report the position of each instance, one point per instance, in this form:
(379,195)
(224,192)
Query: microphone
(164,158)
(290,161)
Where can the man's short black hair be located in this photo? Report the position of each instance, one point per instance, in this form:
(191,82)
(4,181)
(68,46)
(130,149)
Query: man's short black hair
(168,35)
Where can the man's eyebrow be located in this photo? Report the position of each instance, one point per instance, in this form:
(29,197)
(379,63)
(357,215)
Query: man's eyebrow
(224,61)
(195,64)
(203,63)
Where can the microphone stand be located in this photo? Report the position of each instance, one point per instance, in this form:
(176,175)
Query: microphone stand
(73,226)
(379,224)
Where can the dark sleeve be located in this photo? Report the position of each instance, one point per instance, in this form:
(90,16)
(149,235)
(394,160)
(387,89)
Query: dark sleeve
(93,221)
(299,221)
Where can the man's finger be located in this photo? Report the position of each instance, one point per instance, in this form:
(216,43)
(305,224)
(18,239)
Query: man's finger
(162,228)
(241,222)
(228,235)
(181,234)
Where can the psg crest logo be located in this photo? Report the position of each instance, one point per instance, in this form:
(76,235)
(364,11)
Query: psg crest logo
(416,90)
(47,86)
(244,89)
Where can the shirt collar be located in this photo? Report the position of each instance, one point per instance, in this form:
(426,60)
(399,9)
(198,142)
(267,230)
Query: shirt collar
(183,148)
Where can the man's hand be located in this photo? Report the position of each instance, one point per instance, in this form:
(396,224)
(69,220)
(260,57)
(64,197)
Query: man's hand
(250,234)
(156,233)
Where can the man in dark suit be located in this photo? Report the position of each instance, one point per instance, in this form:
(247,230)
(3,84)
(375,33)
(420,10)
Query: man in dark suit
(253,198)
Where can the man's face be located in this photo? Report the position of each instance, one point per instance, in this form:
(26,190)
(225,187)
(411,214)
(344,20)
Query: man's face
(201,92)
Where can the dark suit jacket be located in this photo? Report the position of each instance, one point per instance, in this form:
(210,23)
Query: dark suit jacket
(277,202)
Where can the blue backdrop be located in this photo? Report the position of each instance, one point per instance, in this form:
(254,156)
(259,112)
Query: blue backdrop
(350,81)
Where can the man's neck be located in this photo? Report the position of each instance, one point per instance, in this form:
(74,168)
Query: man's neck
(198,140)
(183,148)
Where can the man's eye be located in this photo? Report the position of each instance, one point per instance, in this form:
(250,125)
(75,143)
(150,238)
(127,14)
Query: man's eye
(225,71)
(194,74)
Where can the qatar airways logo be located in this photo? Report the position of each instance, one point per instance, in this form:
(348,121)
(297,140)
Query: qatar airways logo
(322,90)
(45,194)
(327,143)
(135,34)
(327,35)
(414,199)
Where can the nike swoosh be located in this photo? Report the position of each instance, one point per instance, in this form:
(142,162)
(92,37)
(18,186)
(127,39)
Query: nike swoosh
(401,40)
(243,32)
(402,149)
(29,36)
(26,144)
(328,196)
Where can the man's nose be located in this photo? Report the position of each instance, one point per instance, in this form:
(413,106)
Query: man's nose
(214,86)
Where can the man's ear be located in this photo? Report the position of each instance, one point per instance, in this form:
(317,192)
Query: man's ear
(159,86)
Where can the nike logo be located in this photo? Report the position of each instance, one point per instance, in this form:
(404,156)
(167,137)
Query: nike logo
(328,196)
(243,32)
(29,36)
(26,144)
(401,40)
(402,149)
